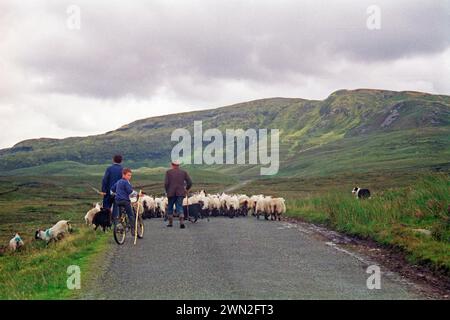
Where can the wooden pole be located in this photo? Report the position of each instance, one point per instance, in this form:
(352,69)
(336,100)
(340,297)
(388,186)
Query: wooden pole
(137,215)
(187,208)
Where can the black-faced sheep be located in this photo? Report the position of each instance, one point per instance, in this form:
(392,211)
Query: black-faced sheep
(54,233)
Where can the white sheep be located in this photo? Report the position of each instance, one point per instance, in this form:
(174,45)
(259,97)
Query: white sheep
(161,205)
(149,205)
(54,233)
(214,204)
(15,243)
(91,213)
(232,205)
(244,202)
(263,207)
(252,203)
(277,208)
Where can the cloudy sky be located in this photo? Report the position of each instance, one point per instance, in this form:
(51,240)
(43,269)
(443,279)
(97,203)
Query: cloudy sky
(134,59)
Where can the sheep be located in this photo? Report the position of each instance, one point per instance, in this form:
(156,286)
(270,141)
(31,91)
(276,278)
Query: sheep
(91,213)
(54,233)
(252,203)
(231,205)
(149,205)
(244,202)
(277,208)
(160,206)
(204,203)
(263,207)
(15,243)
(214,205)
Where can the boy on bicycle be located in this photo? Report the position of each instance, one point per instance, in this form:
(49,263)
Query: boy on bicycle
(123,189)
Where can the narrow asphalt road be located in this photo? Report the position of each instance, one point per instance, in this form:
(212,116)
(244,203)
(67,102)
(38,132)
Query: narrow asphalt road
(240,258)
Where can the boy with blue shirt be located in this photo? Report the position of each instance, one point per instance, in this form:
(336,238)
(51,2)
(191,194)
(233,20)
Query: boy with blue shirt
(122,190)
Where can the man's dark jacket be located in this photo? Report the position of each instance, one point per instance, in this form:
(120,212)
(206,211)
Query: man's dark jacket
(174,182)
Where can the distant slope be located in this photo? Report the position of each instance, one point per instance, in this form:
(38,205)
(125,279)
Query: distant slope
(356,130)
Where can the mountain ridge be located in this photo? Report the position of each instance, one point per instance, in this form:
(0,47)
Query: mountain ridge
(421,118)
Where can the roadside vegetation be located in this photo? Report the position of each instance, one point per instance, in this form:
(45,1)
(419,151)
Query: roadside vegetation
(415,218)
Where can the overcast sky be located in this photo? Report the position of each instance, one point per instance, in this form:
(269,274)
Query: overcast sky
(135,59)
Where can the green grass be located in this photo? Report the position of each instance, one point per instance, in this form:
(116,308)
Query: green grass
(40,272)
(391,217)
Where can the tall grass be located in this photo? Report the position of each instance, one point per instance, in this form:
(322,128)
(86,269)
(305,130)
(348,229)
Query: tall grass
(415,218)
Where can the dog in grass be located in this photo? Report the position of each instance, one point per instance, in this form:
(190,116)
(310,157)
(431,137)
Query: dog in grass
(361,193)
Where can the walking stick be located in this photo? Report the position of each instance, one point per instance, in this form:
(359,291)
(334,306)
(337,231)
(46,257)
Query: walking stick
(187,205)
(137,215)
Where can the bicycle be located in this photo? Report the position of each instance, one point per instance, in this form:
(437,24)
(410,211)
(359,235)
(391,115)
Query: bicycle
(122,226)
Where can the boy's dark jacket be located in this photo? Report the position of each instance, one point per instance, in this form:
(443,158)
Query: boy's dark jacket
(122,189)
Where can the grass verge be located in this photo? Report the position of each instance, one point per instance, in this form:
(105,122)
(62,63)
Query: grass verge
(415,219)
(40,271)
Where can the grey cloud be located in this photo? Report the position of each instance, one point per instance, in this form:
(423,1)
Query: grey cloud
(138,59)
(136,49)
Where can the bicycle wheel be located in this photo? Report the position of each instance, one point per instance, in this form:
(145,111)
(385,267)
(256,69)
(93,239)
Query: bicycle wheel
(140,230)
(120,231)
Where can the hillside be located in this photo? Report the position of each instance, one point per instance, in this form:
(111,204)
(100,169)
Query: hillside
(350,131)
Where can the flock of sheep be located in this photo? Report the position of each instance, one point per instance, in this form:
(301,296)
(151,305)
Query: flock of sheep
(233,205)
(209,205)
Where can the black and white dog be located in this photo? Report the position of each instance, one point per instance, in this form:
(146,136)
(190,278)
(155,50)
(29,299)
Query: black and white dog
(361,193)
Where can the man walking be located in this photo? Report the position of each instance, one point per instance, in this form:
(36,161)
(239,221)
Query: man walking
(112,174)
(177,182)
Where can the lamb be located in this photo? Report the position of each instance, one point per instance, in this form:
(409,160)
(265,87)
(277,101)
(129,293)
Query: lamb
(54,233)
(277,208)
(15,243)
(91,213)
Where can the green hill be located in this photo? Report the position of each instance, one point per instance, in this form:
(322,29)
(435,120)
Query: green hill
(350,131)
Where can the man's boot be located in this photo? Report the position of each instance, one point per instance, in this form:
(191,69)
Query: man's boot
(170,222)
(182,223)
